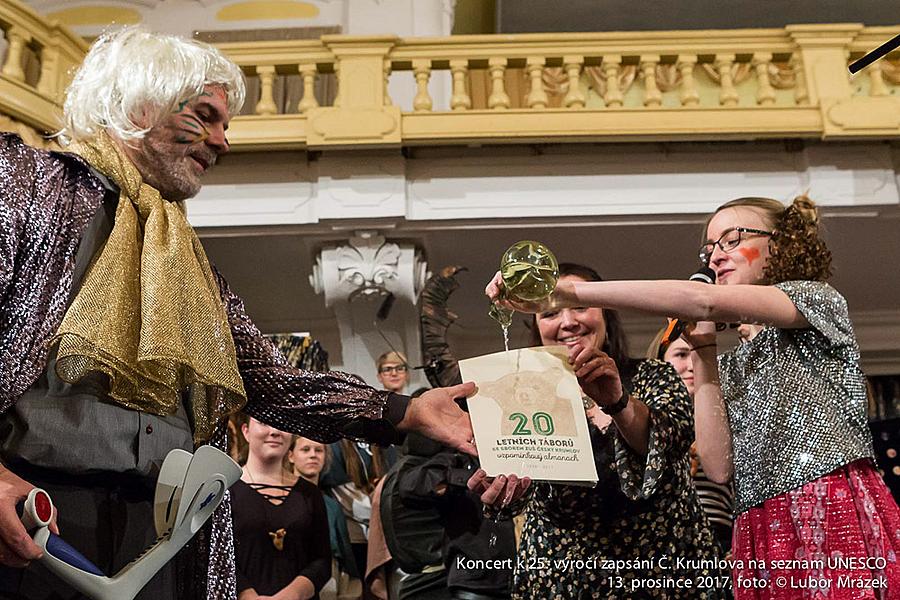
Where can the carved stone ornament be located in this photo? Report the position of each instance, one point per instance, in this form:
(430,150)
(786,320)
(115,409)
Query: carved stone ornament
(366,266)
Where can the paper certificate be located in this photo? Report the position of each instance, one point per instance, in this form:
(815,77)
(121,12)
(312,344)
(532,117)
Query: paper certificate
(528,416)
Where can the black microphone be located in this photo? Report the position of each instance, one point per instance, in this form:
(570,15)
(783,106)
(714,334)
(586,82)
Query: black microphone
(675,327)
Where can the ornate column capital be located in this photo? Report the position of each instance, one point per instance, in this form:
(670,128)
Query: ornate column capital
(368,265)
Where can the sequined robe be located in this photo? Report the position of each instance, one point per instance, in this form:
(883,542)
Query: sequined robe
(48,199)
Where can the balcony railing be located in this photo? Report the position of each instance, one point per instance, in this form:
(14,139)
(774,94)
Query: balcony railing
(621,86)
(40,58)
(736,84)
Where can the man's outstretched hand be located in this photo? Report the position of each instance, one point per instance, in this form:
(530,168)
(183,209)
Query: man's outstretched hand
(434,414)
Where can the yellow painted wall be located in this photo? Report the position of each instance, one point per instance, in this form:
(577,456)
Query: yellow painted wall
(96,15)
(267,10)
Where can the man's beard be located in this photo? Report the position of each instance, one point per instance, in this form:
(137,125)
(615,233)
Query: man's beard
(167,169)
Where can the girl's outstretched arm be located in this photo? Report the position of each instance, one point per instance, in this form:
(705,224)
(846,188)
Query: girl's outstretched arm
(690,300)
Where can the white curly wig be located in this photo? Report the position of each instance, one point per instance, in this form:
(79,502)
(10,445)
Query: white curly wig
(132,72)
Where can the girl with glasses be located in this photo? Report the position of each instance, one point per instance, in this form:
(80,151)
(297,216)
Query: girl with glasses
(393,371)
(814,518)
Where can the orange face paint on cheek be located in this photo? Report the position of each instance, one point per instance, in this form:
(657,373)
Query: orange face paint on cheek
(751,254)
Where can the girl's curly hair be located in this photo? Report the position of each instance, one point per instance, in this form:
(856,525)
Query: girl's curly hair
(796,248)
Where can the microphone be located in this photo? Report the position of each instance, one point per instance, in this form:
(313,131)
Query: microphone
(675,327)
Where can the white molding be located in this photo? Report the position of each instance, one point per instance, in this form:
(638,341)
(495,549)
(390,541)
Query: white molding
(583,184)
(360,186)
(852,174)
(501,185)
(253,204)
(355,278)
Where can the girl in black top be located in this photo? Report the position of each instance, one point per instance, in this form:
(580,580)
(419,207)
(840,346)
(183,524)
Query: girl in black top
(281,540)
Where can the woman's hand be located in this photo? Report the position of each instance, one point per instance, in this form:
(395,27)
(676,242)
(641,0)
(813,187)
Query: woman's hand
(597,374)
(560,298)
(498,492)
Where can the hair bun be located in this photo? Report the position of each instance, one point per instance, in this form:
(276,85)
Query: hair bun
(806,208)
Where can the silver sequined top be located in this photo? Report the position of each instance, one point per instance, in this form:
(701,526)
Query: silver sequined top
(796,398)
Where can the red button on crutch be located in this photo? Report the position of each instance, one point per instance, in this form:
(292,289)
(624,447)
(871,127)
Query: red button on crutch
(38,509)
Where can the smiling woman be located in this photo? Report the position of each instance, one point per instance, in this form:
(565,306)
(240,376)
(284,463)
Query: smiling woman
(643,505)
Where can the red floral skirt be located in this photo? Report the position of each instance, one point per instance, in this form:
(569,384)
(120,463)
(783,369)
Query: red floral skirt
(835,538)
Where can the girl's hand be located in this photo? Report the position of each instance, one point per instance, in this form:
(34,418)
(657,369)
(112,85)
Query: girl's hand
(496,291)
(699,334)
(597,374)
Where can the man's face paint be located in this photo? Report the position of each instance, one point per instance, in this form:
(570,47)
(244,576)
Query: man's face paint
(174,154)
(190,128)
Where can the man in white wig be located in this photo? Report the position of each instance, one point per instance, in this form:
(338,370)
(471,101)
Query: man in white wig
(119,341)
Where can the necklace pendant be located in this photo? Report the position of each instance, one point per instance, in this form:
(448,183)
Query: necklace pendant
(278,538)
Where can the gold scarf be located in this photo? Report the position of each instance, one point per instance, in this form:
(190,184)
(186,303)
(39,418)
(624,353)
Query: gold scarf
(149,315)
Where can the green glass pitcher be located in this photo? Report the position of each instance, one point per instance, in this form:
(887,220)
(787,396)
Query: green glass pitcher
(529,272)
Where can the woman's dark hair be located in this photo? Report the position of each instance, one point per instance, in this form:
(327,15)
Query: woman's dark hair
(616,345)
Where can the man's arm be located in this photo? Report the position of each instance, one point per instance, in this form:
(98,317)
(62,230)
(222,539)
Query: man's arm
(16,546)
(331,405)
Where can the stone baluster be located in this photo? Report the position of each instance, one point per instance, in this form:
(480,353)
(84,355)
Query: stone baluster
(652,95)
(801,95)
(537,97)
(611,68)
(16,38)
(687,93)
(574,97)
(308,101)
(765,93)
(877,86)
(266,104)
(727,95)
(498,100)
(460,99)
(422,71)
(48,83)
